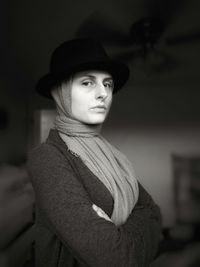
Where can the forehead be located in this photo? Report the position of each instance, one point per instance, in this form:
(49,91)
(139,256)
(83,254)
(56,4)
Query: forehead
(93,73)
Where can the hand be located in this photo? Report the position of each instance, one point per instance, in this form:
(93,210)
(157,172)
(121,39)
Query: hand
(101,213)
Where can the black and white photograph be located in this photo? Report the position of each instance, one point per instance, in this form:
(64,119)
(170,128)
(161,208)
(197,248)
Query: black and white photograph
(100,133)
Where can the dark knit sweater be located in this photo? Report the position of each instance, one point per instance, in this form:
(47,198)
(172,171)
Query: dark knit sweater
(68,231)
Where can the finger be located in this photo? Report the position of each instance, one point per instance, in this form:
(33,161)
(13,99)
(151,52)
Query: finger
(101,213)
(95,208)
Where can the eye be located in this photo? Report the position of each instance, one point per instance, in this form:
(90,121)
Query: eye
(88,83)
(109,84)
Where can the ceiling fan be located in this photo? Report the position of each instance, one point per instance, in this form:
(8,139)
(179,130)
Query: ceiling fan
(144,43)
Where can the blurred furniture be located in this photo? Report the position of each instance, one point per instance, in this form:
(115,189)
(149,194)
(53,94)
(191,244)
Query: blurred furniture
(16,216)
(186,171)
(181,244)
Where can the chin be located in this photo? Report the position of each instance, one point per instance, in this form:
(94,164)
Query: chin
(97,120)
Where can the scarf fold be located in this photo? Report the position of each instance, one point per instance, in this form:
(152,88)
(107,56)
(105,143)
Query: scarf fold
(108,164)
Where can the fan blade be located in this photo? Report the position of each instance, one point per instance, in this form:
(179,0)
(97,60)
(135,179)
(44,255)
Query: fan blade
(98,26)
(162,62)
(146,31)
(149,62)
(183,39)
(166,10)
(129,55)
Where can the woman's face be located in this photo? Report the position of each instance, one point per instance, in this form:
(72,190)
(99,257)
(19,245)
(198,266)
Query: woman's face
(91,96)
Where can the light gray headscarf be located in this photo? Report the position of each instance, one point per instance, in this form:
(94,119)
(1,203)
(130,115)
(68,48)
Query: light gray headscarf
(108,164)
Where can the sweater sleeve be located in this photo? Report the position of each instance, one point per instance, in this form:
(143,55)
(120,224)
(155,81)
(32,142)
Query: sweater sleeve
(94,241)
(147,218)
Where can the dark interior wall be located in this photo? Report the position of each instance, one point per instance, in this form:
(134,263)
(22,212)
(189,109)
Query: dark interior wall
(12,100)
(31,30)
(156,105)
(13,134)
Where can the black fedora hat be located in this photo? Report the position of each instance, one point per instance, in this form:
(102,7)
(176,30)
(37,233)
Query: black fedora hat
(78,55)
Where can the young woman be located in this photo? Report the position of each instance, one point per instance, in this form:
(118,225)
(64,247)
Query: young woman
(90,208)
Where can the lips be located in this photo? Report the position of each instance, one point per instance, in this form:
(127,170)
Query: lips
(100,108)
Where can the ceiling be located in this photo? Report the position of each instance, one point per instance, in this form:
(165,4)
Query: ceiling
(32,29)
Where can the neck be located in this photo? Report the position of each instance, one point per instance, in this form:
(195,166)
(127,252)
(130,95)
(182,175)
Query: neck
(73,127)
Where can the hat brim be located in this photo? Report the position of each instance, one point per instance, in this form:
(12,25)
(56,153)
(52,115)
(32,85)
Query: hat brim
(118,70)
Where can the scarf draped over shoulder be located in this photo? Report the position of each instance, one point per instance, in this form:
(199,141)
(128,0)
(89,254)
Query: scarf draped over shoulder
(106,162)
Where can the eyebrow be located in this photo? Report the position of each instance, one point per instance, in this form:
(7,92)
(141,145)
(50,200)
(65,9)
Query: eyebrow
(94,77)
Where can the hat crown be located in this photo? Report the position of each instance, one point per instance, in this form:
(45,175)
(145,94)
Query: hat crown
(77,51)
(79,55)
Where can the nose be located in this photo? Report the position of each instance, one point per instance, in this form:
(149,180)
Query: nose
(101,91)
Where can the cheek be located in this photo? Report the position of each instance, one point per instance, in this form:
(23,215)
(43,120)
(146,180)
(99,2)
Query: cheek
(109,100)
(78,106)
